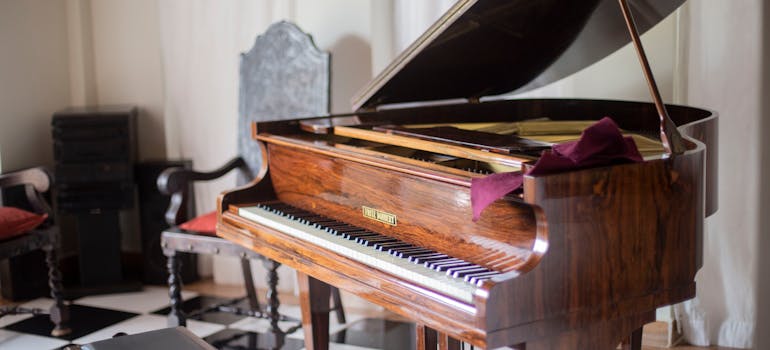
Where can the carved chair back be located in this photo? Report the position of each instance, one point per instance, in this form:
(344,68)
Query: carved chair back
(283,76)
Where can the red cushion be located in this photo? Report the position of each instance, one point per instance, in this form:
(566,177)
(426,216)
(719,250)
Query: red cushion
(206,223)
(14,221)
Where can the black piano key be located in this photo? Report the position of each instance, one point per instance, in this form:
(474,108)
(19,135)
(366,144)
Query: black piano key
(478,277)
(406,253)
(369,240)
(387,246)
(331,224)
(427,253)
(439,262)
(427,258)
(460,273)
(336,225)
(364,239)
(370,243)
(447,260)
(301,214)
(451,270)
(363,234)
(446,267)
(380,239)
(349,229)
(351,235)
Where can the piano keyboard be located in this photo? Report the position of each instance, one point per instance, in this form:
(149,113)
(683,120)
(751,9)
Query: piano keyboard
(436,271)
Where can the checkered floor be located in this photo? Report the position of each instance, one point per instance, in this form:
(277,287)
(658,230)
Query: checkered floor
(100,317)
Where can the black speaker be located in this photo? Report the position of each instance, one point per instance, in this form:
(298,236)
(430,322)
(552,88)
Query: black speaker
(95,150)
(152,209)
(94,153)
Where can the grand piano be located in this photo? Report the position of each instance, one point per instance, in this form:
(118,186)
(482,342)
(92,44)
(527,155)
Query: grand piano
(378,202)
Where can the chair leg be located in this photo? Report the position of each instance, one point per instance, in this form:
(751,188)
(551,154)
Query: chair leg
(248,280)
(176,316)
(272,293)
(59,313)
(339,311)
(271,308)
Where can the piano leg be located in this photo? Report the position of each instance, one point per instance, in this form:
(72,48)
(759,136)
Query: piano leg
(634,341)
(251,291)
(314,298)
(447,343)
(426,338)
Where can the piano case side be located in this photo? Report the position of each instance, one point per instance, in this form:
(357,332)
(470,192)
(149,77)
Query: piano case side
(622,241)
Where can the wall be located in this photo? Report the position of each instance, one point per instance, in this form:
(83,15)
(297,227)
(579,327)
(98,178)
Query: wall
(34,79)
(343,28)
(127,65)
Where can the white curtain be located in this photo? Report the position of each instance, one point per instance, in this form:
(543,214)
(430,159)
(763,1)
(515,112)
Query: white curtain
(201,42)
(723,43)
(412,18)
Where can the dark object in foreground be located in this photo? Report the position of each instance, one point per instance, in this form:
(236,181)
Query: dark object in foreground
(162,339)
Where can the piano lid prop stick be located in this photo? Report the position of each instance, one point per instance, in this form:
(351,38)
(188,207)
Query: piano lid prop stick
(669,134)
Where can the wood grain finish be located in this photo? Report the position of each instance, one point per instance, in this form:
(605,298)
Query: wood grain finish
(588,255)
(429,213)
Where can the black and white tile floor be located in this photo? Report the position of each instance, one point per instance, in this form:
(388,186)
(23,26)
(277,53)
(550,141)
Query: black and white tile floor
(100,317)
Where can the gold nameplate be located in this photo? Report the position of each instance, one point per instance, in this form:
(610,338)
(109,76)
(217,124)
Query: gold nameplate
(380,216)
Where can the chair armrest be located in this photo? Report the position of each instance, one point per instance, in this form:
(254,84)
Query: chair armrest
(176,182)
(36,181)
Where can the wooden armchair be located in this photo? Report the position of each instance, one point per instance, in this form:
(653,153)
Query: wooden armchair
(283,75)
(22,231)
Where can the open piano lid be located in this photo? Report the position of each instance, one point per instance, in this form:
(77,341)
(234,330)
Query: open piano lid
(490,47)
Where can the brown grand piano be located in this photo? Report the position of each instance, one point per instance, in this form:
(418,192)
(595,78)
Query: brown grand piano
(378,203)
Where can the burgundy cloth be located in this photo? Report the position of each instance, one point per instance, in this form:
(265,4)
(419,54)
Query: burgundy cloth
(600,144)
(206,223)
(14,222)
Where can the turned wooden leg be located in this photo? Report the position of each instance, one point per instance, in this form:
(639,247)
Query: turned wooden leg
(634,341)
(427,339)
(60,315)
(314,301)
(176,316)
(273,302)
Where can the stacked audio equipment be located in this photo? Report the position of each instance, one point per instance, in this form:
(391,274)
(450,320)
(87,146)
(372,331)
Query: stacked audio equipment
(94,154)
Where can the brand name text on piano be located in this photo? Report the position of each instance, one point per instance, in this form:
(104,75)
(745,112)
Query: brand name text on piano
(378,215)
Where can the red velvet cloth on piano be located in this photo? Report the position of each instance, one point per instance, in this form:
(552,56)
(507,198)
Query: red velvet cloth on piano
(600,144)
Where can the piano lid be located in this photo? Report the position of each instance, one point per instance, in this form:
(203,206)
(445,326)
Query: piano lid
(490,47)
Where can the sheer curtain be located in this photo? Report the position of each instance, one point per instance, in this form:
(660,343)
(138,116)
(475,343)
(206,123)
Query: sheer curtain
(201,42)
(724,62)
